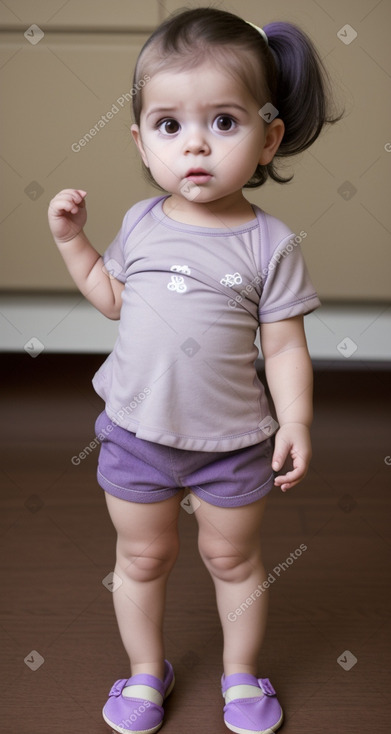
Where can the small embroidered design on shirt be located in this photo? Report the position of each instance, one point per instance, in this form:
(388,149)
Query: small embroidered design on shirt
(180,269)
(230,280)
(177,284)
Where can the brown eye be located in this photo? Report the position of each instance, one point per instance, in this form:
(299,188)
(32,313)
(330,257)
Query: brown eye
(169,127)
(224,123)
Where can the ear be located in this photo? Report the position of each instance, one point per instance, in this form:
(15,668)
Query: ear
(135,130)
(274,134)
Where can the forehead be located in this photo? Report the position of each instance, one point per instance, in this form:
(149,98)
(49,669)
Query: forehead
(201,85)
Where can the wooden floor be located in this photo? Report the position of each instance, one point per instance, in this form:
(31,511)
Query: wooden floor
(60,649)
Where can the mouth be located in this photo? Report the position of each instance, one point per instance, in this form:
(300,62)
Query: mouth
(198,175)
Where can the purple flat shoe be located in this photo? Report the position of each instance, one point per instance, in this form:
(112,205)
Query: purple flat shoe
(251,705)
(135,704)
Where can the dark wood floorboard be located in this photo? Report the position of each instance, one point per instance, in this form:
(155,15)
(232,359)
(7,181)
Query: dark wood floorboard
(57,544)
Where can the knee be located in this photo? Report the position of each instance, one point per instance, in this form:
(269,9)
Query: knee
(226,568)
(149,564)
(227,564)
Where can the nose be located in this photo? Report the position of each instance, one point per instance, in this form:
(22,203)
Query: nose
(196,141)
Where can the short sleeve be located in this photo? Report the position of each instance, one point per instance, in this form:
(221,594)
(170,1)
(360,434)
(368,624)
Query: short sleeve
(114,258)
(287,289)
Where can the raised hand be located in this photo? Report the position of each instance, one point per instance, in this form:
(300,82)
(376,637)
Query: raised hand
(67,214)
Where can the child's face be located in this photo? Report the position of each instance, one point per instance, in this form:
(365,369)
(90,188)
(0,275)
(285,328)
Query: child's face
(201,128)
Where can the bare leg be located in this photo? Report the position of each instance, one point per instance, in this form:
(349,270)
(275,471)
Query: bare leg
(147,548)
(230,546)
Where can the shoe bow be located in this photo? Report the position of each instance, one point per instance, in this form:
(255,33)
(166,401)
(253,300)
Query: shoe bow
(118,687)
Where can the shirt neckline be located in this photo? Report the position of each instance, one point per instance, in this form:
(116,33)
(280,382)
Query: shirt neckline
(157,211)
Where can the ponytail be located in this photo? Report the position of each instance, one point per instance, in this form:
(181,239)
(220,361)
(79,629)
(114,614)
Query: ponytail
(302,91)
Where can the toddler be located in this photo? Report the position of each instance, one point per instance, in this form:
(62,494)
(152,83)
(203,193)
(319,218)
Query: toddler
(191,275)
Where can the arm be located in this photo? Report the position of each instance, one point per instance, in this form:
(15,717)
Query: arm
(67,216)
(289,376)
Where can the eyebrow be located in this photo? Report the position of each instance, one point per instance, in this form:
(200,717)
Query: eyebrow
(214,105)
(160,111)
(229,104)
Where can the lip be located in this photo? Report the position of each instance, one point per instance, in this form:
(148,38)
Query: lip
(198,175)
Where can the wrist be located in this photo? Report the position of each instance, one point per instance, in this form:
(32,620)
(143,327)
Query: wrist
(65,241)
(302,423)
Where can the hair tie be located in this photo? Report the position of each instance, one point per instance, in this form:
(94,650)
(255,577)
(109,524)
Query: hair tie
(260,30)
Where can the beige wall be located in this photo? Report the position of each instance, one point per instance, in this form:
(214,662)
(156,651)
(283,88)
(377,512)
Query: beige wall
(55,90)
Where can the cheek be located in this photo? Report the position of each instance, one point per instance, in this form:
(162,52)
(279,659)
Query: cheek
(243,158)
(159,152)
(161,168)
(157,158)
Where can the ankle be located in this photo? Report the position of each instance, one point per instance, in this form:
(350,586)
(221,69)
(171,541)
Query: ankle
(232,668)
(156,669)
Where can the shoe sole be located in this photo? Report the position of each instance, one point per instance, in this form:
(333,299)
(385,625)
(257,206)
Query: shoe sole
(120,730)
(154,729)
(239,730)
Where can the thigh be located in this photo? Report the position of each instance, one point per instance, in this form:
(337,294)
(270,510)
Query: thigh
(229,531)
(150,528)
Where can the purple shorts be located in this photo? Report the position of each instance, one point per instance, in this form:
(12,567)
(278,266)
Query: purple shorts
(142,471)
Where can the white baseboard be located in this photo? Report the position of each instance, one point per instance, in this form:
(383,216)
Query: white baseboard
(345,333)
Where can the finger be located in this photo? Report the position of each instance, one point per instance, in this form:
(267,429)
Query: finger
(71,192)
(280,453)
(289,485)
(290,478)
(78,197)
(64,206)
(68,201)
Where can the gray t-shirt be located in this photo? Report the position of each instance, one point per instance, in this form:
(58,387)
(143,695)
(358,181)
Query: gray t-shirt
(182,369)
